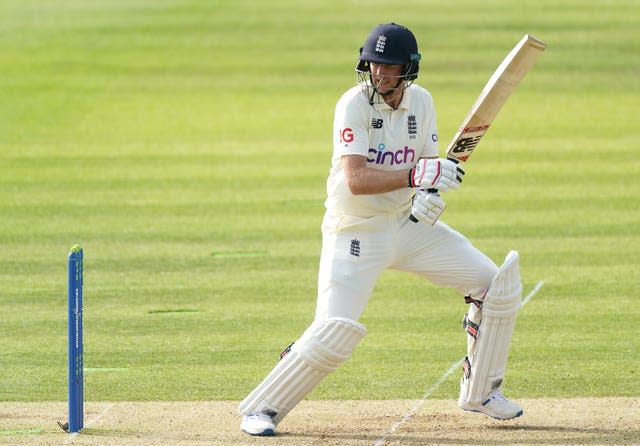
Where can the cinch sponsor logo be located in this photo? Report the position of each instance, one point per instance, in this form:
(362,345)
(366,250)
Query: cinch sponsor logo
(400,156)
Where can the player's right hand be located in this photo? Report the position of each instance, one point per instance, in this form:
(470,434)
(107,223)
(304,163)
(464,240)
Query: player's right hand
(436,173)
(427,206)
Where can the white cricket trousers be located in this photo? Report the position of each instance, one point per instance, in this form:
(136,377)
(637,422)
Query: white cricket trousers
(355,251)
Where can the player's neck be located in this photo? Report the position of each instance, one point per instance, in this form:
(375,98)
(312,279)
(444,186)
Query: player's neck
(393,99)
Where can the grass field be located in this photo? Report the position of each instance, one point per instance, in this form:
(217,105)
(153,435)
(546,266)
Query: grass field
(185,145)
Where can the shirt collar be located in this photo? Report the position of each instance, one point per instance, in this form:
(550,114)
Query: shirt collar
(379,103)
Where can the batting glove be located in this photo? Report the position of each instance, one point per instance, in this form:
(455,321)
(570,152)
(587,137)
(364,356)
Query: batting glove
(427,206)
(436,173)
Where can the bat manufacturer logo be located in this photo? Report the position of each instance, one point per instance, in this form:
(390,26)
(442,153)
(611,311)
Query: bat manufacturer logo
(466,144)
(467,141)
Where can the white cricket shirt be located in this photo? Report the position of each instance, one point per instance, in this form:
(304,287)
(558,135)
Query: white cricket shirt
(390,139)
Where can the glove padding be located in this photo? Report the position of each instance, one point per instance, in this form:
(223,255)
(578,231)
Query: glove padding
(436,173)
(427,206)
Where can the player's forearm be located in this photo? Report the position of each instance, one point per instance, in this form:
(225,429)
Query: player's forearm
(372,181)
(363,180)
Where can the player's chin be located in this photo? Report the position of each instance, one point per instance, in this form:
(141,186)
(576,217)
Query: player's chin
(389,92)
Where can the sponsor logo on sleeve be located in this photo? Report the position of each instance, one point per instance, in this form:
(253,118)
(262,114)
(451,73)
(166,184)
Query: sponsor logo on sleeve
(346,136)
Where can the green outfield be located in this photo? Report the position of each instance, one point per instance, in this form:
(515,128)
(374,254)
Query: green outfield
(185,146)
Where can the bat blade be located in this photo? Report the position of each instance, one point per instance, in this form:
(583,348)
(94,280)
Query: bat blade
(493,97)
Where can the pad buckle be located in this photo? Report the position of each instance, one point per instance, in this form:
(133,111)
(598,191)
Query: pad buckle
(286,351)
(471,300)
(470,327)
(466,367)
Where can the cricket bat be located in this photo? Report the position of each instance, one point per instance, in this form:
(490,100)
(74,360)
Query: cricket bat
(492,98)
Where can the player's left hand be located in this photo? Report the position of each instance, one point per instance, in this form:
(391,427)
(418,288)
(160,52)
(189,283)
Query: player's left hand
(427,206)
(436,173)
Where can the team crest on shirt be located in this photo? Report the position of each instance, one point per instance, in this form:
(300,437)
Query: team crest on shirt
(412,126)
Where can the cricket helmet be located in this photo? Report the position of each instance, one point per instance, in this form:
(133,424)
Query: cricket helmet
(391,44)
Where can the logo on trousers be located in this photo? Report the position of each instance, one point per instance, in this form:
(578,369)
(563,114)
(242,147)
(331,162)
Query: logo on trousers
(355,248)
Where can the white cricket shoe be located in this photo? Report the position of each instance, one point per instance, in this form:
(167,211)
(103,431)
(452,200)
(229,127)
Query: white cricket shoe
(495,405)
(258,423)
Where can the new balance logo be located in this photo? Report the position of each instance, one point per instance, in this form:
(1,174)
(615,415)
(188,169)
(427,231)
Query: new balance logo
(376,123)
(466,144)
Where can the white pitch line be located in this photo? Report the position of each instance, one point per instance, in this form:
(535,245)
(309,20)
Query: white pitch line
(533,292)
(98,417)
(419,403)
(380,441)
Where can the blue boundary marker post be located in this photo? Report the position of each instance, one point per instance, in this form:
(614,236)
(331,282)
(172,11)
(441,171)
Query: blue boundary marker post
(76,366)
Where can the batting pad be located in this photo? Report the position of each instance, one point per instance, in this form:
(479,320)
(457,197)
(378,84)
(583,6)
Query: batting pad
(319,351)
(488,347)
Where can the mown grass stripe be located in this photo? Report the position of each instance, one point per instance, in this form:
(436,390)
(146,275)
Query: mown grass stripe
(239,254)
(17,432)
